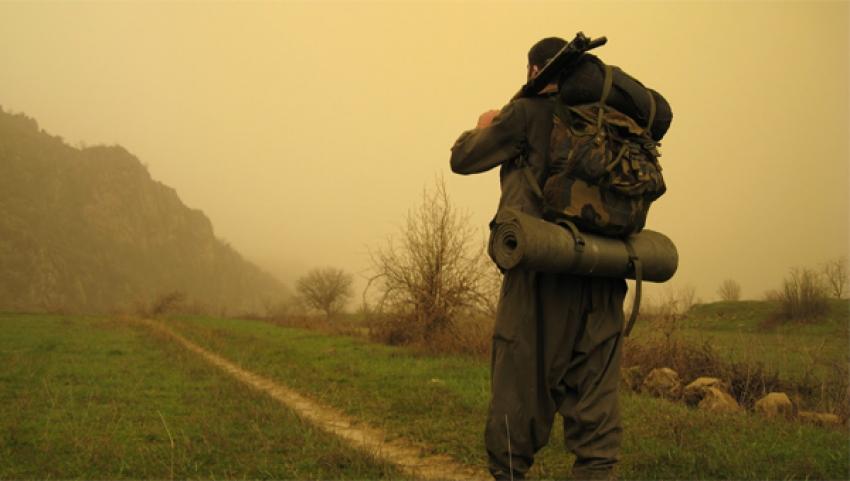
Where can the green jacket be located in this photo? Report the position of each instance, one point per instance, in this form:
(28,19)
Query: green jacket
(520,133)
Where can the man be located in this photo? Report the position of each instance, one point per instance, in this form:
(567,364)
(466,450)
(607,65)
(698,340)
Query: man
(557,337)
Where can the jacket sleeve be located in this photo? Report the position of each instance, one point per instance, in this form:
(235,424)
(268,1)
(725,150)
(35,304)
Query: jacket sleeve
(479,150)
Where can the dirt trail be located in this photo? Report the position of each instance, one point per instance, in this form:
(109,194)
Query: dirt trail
(406,456)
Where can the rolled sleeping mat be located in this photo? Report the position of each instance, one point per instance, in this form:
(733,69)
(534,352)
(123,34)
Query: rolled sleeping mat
(582,84)
(522,241)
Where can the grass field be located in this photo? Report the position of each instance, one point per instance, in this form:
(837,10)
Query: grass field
(441,401)
(90,398)
(94,399)
(743,331)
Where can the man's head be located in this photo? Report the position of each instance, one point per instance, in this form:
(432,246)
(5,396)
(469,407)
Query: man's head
(541,52)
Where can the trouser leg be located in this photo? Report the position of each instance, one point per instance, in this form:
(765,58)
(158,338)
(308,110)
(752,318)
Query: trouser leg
(513,431)
(592,425)
(532,340)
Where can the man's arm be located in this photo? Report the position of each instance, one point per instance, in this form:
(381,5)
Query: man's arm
(495,141)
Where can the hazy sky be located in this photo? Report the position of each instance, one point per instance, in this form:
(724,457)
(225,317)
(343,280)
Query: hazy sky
(305,131)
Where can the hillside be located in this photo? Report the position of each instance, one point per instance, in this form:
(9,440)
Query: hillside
(89,230)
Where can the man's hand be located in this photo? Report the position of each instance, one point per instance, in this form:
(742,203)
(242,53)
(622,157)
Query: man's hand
(485,119)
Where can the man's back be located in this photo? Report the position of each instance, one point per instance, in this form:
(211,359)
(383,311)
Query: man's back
(557,337)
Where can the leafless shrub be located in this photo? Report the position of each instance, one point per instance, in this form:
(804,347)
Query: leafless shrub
(803,296)
(339,326)
(835,393)
(665,311)
(824,384)
(165,303)
(662,315)
(327,290)
(729,290)
(491,286)
(825,381)
(748,381)
(687,297)
(836,276)
(472,336)
(432,274)
(394,329)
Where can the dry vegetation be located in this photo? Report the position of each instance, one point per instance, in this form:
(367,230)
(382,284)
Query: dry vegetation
(803,296)
(729,290)
(434,289)
(164,304)
(326,289)
(824,382)
(836,276)
(435,286)
(690,359)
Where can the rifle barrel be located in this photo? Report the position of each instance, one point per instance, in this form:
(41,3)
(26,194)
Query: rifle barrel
(597,42)
(538,82)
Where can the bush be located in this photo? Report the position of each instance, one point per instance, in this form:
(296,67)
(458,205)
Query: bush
(163,304)
(835,273)
(665,311)
(824,384)
(729,290)
(747,381)
(470,336)
(327,290)
(432,276)
(803,296)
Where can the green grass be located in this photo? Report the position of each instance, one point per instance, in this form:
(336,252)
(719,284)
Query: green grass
(743,332)
(84,398)
(441,401)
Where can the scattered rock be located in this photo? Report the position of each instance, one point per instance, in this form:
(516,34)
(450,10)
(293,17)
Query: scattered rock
(663,382)
(631,378)
(824,419)
(718,400)
(775,404)
(695,391)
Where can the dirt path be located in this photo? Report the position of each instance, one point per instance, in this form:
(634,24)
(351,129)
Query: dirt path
(406,456)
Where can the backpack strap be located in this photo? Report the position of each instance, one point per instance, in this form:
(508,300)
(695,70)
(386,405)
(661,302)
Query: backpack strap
(535,187)
(652,107)
(606,91)
(638,268)
(579,240)
(561,112)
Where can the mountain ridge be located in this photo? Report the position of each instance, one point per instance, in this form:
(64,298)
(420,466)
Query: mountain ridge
(89,230)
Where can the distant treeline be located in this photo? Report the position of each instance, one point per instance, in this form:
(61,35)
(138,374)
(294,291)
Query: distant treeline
(88,230)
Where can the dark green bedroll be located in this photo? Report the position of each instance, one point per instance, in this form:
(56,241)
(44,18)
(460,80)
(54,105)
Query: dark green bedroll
(522,241)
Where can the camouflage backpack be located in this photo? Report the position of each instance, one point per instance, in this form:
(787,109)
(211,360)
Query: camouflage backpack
(603,173)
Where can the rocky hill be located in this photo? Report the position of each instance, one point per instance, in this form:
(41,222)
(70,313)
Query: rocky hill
(89,230)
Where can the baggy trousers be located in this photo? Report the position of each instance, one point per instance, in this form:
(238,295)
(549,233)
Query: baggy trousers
(556,348)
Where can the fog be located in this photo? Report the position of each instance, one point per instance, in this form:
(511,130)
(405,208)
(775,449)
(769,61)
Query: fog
(306,131)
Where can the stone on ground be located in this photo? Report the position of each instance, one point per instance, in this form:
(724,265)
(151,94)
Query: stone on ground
(775,404)
(719,401)
(631,378)
(695,391)
(663,382)
(824,419)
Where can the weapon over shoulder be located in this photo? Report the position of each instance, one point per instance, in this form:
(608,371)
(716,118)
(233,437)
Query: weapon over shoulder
(563,59)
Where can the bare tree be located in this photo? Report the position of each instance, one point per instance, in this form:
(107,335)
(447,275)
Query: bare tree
(687,297)
(327,289)
(162,305)
(729,290)
(803,296)
(835,274)
(434,270)
(491,287)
